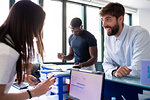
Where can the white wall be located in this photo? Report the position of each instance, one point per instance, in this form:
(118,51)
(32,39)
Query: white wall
(135,18)
(142,18)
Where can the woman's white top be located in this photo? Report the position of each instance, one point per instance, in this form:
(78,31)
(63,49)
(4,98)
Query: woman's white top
(8,59)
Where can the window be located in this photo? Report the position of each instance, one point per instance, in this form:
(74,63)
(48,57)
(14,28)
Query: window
(127,19)
(94,26)
(73,10)
(52,35)
(35,1)
(4,4)
(53,27)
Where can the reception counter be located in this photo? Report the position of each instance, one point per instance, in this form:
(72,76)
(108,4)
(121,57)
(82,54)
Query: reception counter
(125,88)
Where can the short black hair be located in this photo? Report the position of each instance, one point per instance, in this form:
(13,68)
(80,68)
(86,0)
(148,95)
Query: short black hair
(76,22)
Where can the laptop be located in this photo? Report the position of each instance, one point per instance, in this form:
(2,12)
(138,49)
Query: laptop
(86,85)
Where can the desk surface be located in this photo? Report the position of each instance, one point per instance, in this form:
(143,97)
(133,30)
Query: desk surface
(125,80)
(128,80)
(42,97)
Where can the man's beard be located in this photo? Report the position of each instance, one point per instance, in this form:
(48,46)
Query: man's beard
(114,29)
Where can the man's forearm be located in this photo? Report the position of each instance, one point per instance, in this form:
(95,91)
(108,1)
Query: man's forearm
(89,62)
(68,57)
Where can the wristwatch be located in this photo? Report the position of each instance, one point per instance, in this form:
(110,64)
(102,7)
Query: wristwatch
(113,72)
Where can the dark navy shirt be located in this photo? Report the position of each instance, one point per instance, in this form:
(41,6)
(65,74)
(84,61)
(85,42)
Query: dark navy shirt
(81,44)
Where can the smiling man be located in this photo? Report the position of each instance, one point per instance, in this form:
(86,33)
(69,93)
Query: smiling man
(83,46)
(125,46)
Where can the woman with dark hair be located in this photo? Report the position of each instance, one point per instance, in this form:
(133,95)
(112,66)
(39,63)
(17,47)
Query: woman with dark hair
(24,23)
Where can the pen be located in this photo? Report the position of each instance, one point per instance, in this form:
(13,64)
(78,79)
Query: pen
(123,97)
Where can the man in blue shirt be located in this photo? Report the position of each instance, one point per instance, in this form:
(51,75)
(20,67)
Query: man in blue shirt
(83,46)
(124,46)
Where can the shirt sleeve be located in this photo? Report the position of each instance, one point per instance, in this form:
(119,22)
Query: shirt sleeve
(108,65)
(69,40)
(7,63)
(92,41)
(141,49)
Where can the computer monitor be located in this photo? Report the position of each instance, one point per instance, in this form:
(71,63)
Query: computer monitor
(85,85)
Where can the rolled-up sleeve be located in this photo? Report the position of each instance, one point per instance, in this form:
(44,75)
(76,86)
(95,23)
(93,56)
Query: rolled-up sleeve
(141,49)
(108,64)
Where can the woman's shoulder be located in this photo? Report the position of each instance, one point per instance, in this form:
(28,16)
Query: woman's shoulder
(7,50)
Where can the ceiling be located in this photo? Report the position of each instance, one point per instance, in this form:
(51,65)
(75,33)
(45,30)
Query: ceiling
(137,4)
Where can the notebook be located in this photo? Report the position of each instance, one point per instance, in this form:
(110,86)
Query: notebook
(86,85)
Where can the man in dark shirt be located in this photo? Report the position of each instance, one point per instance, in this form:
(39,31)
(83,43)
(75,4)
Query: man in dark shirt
(83,46)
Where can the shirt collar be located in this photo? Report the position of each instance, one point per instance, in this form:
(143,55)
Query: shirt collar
(123,33)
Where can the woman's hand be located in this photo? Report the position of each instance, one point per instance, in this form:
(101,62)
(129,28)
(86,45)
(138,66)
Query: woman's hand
(43,87)
(32,80)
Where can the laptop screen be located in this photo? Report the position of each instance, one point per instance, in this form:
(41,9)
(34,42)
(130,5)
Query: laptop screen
(86,85)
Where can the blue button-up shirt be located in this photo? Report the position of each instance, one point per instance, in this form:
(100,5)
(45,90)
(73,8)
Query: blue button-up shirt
(132,46)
